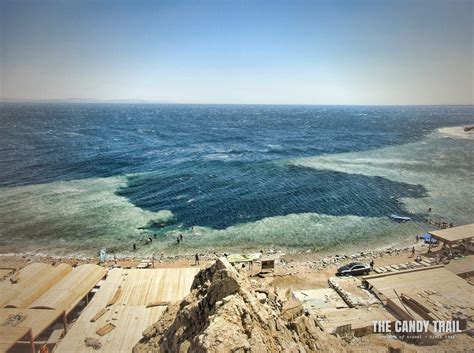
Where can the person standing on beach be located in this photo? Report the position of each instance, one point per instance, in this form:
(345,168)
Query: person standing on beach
(196,259)
(372,263)
(177,240)
(180,237)
(412,251)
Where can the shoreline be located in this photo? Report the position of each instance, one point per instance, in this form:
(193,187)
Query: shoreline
(144,250)
(317,259)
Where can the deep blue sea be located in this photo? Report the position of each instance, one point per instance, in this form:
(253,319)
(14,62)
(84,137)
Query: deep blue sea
(78,177)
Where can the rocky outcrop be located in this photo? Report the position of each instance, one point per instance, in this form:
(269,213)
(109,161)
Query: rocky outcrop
(225,312)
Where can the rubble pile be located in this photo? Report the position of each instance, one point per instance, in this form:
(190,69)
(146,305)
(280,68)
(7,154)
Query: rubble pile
(225,312)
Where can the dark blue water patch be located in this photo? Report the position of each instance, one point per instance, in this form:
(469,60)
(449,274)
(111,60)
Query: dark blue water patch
(41,143)
(206,194)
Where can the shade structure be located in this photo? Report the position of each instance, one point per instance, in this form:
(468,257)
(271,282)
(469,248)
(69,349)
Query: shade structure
(36,319)
(430,293)
(9,336)
(67,293)
(454,235)
(33,281)
(28,291)
(131,313)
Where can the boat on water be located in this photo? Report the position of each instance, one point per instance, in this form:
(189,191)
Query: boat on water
(399,218)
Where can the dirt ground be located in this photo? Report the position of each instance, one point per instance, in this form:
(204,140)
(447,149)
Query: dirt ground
(300,272)
(303,276)
(292,272)
(380,343)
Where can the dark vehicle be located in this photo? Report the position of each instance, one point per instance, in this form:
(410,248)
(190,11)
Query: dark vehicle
(354,269)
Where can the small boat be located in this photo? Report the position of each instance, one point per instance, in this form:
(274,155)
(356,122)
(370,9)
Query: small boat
(398,218)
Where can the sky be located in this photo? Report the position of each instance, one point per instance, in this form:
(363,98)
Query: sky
(250,52)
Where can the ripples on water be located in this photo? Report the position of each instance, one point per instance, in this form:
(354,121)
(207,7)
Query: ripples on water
(80,176)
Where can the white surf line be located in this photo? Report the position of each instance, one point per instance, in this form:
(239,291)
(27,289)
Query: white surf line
(457,132)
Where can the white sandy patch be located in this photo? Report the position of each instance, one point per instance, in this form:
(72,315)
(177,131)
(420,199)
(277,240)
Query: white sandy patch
(457,132)
(78,215)
(442,166)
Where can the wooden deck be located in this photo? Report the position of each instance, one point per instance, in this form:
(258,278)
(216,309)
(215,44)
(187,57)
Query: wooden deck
(130,290)
(68,292)
(29,291)
(9,336)
(456,234)
(36,319)
(438,291)
(33,281)
(463,267)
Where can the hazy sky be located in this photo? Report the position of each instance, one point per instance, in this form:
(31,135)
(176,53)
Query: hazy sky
(308,52)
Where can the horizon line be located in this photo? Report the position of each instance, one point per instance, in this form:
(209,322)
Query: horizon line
(163,102)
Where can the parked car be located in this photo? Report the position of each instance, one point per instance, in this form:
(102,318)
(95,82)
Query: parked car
(353,269)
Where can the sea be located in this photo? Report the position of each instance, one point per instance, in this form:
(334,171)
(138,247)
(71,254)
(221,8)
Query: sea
(75,178)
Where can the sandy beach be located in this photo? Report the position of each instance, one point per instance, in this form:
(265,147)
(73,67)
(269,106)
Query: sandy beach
(296,270)
(299,271)
(286,259)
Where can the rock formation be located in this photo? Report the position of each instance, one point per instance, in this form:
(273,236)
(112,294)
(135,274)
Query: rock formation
(225,312)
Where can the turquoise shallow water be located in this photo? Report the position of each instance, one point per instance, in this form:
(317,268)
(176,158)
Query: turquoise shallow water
(74,178)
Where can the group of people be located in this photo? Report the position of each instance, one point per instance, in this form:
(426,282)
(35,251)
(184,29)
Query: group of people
(149,240)
(440,224)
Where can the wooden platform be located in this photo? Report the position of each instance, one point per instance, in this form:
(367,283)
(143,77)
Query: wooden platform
(438,291)
(30,290)
(68,292)
(9,336)
(32,281)
(454,235)
(463,267)
(136,288)
(36,319)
